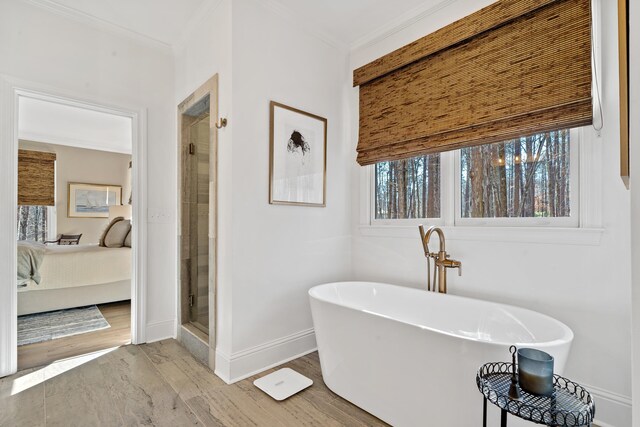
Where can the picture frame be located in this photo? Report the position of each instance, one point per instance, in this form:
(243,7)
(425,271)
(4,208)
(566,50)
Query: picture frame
(92,200)
(297,157)
(623,59)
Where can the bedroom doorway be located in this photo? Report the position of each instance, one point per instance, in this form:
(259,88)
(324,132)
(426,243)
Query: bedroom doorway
(102,301)
(197,122)
(74,230)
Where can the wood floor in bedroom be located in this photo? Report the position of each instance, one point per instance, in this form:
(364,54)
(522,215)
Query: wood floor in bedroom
(161,384)
(118,314)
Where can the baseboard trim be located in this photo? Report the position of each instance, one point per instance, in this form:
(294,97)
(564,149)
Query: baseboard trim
(157,331)
(246,363)
(612,409)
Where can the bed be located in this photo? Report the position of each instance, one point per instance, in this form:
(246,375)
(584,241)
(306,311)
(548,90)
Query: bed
(76,275)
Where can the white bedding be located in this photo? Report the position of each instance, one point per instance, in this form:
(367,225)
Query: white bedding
(81,265)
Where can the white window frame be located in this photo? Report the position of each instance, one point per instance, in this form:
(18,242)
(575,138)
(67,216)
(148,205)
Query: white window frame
(574,196)
(444,169)
(450,191)
(583,227)
(52,223)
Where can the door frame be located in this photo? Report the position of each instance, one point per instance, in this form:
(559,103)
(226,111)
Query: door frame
(210,88)
(11,89)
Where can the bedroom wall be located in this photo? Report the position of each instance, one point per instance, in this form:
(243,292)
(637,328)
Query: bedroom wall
(587,287)
(85,166)
(98,63)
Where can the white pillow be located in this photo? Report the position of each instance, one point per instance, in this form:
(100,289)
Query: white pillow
(106,230)
(117,233)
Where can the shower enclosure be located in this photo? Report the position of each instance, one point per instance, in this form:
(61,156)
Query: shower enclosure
(196,190)
(198,156)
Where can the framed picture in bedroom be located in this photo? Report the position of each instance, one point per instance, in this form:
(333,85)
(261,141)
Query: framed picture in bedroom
(92,200)
(298,157)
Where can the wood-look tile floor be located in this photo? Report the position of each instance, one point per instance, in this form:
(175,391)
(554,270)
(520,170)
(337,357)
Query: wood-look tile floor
(161,384)
(118,314)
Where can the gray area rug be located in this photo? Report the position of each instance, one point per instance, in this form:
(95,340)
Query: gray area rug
(39,327)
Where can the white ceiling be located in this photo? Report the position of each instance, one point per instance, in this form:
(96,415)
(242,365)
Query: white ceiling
(54,123)
(351,21)
(348,22)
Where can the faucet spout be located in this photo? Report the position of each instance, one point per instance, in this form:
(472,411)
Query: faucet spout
(440,234)
(441,259)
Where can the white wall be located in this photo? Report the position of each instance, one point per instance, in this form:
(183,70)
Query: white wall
(279,252)
(88,166)
(634,140)
(586,287)
(205,51)
(72,57)
(269,255)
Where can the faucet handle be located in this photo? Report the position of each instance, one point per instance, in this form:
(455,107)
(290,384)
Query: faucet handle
(452,263)
(458,265)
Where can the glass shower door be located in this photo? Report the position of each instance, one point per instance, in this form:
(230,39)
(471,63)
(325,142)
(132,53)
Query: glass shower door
(199,223)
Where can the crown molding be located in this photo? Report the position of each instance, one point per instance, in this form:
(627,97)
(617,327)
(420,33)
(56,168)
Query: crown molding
(398,24)
(94,21)
(313,29)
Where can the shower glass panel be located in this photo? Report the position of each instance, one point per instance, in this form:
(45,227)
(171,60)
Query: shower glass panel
(195,215)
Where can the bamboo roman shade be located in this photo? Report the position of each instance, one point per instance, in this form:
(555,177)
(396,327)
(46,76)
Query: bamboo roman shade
(514,68)
(36,178)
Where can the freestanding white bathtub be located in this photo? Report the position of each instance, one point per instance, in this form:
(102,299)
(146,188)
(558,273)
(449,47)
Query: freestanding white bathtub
(410,357)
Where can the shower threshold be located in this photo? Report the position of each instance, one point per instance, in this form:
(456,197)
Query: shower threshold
(198,330)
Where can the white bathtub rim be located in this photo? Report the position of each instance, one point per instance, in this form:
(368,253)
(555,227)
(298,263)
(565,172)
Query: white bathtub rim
(567,337)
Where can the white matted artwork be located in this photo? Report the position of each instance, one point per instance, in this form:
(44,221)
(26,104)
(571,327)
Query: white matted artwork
(298,168)
(92,200)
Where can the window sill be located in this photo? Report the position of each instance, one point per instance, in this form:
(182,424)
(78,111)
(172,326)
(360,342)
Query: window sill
(536,235)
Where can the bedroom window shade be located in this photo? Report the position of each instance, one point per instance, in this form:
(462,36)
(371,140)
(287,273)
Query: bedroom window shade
(36,178)
(514,68)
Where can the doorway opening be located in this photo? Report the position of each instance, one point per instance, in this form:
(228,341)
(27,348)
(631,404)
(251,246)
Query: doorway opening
(197,141)
(60,215)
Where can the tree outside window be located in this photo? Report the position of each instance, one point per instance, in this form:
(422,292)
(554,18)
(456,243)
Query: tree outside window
(408,188)
(32,223)
(527,177)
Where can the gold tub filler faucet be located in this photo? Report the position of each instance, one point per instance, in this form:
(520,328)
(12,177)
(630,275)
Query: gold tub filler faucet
(441,260)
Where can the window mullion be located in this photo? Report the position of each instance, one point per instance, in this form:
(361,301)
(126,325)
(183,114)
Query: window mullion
(52,222)
(448,193)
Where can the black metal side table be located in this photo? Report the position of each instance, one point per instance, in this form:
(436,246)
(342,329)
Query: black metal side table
(569,405)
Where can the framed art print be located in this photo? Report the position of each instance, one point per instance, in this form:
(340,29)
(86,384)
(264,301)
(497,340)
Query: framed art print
(92,200)
(298,157)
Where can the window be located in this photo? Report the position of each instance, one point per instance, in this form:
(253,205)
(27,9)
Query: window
(525,177)
(408,188)
(35,223)
(526,181)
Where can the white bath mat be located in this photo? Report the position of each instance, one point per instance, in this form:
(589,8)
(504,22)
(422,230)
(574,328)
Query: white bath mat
(283,383)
